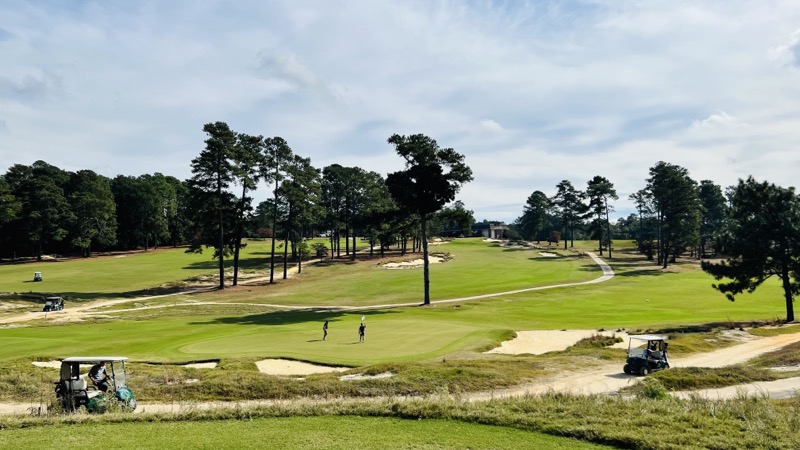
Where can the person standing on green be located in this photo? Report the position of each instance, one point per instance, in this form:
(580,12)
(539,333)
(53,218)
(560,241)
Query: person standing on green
(325,331)
(361,332)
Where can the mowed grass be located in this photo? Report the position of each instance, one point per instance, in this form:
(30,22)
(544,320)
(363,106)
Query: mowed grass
(477,268)
(106,276)
(326,432)
(642,296)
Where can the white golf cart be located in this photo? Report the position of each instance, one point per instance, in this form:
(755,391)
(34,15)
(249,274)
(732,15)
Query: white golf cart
(646,353)
(74,390)
(53,304)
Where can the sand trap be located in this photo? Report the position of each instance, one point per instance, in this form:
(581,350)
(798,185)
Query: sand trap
(538,342)
(204,365)
(361,376)
(50,364)
(289,367)
(413,264)
(548,254)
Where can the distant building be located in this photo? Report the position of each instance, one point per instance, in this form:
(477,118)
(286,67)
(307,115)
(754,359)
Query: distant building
(490,230)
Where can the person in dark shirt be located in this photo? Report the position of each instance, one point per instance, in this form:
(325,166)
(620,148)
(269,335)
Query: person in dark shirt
(99,376)
(361,332)
(325,331)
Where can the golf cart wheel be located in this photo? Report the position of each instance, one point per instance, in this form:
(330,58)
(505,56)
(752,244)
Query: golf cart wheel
(666,366)
(626,369)
(644,371)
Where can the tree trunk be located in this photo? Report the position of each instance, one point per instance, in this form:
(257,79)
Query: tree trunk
(285,254)
(300,253)
(239,232)
(425,265)
(608,227)
(787,293)
(274,230)
(221,239)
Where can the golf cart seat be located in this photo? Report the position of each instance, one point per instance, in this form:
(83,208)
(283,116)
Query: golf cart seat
(77,385)
(656,354)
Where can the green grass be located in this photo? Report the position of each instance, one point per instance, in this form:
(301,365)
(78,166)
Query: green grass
(640,297)
(693,378)
(668,424)
(344,433)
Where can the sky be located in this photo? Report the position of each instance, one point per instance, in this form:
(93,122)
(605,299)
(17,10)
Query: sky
(530,92)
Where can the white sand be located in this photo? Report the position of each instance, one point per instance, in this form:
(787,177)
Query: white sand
(537,342)
(548,254)
(50,364)
(361,376)
(205,365)
(289,367)
(413,264)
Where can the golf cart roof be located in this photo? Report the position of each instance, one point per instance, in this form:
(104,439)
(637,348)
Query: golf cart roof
(649,337)
(93,359)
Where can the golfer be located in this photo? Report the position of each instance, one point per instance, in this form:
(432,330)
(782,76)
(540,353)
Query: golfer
(361,332)
(325,331)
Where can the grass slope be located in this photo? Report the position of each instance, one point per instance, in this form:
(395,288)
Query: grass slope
(345,433)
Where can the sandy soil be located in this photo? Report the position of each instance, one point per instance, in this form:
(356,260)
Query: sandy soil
(609,379)
(205,365)
(548,254)
(50,364)
(413,264)
(288,367)
(361,376)
(538,342)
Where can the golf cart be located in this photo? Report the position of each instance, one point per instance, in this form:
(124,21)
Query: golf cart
(53,304)
(74,390)
(37,276)
(643,359)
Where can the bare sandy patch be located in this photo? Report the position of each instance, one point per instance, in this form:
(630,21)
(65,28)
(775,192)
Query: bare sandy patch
(548,254)
(361,376)
(203,365)
(414,263)
(48,364)
(538,342)
(288,367)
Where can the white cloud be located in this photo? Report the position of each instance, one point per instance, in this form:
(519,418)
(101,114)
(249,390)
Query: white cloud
(491,125)
(719,119)
(531,93)
(787,54)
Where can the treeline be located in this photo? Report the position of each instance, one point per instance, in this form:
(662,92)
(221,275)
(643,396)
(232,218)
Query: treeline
(753,227)
(675,214)
(46,210)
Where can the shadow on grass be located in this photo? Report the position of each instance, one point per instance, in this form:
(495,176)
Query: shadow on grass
(79,297)
(299,316)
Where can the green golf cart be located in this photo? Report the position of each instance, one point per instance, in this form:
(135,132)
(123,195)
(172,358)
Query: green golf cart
(75,390)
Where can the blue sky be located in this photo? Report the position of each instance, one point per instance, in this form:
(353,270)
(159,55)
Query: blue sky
(530,92)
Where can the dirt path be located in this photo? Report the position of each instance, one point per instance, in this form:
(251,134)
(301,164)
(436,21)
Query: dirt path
(605,379)
(73,313)
(609,379)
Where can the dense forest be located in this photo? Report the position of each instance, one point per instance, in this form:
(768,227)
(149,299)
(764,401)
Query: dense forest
(45,210)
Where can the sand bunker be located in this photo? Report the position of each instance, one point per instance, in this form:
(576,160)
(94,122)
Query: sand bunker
(203,365)
(538,342)
(361,376)
(548,254)
(50,364)
(288,367)
(413,264)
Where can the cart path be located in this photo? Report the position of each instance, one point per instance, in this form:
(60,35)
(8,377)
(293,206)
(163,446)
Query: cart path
(606,379)
(609,379)
(82,310)
(603,380)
